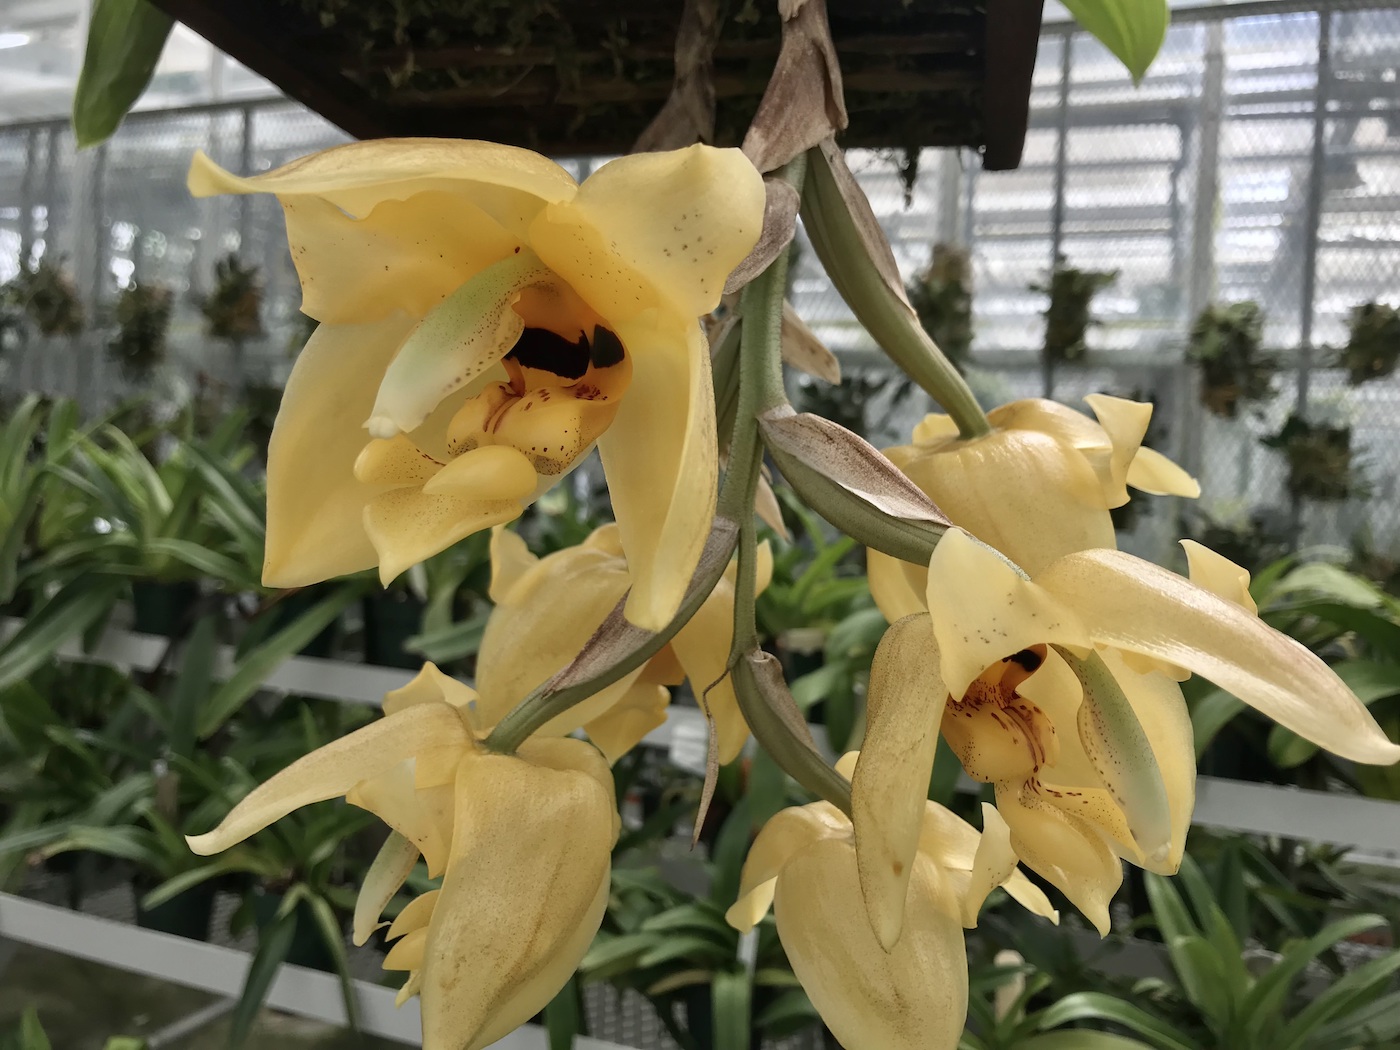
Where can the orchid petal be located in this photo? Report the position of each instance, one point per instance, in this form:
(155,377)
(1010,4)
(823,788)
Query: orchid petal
(1118,746)
(984,612)
(911,998)
(314,502)
(393,798)
(430,685)
(403,255)
(524,894)
(993,864)
(702,646)
(333,770)
(415,915)
(511,184)
(1125,423)
(623,725)
(1064,849)
(1154,473)
(1219,575)
(904,706)
(387,872)
(786,833)
(895,594)
(655,229)
(510,561)
(409,953)
(408,526)
(1137,606)
(662,466)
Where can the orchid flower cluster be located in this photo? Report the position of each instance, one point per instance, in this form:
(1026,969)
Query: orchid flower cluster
(486,323)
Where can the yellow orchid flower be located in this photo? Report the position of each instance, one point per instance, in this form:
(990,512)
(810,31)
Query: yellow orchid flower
(1060,691)
(523,843)
(1039,486)
(548,608)
(485,322)
(909,996)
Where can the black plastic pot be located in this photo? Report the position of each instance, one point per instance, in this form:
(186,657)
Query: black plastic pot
(308,946)
(185,915)
(163,608)
(391,618)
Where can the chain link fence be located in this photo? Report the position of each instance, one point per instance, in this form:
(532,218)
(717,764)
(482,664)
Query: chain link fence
(1258,160)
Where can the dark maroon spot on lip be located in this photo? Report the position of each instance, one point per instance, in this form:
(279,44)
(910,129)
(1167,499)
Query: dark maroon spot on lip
(544,350)
(1026,659)
(607,349)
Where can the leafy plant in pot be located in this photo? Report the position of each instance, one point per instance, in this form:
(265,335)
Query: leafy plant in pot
(48,297)
(1068,314)
(233,310)
(1225,342)
(142,316)
(1320,460)
(941,295)
(1373,342)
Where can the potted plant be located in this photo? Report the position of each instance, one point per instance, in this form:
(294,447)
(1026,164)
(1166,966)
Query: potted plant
(941,295)
(1320,461)
(1068,314)
(142,316)
(1373,342)
(233,310)
(48,297)
(1225,341)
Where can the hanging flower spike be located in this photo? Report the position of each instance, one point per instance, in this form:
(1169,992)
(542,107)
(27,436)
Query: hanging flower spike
(1039,486)
(559,601)
(1060,691)
(523,843)
(485,322)
(912,996)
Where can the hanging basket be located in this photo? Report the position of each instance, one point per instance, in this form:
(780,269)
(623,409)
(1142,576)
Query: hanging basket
(1225,341)
(1069,313)
(1320,461)
(1373,346)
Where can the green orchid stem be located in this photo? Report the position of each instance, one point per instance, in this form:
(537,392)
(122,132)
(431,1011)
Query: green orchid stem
(845,253)
(767,706)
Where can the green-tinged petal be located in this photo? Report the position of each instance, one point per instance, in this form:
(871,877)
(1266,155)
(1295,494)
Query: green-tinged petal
(1125,422)
(314,503)
(1219,575)
(1064,849)
(911,998)
(537,629)
(1134,605)
(416,914)
(1162,711)
(623,725)
(992,865)
(387,872)
(904,708)
(456,343)
(393,798)
(408,526)
(404,255)
(789,831)
(894,592)
(655,229)
(430,686)
(510,561)
(1117,745)
(333,770)
(702,646)
(662,465)
(1155,473)
(509,183)
(983,611)
(411,987)
(1027,494)
(524,894)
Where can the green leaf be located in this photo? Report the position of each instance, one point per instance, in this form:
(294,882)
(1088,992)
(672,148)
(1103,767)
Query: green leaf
(334,938)
(125,39)
(196,675)
(255,666)
(1212,713)
(1079,1039)
(66,615)
(1132,29)
(563,1017)
(730,997)
(274,942)
(1349,992)
(31,1032)
(1098,1006)
(1266,998)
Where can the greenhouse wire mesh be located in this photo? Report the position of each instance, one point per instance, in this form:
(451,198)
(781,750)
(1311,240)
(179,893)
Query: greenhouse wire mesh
(1259,159)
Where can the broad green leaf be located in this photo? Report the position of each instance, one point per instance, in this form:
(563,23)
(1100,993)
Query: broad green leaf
(125,39)
(31,1032)
(274,942)
(1132,29)
(563,1017)
(255,666)
(1098,1006)
(1210,714)
(1365,982)
(66,615)
(1267,996)
(334,937)
(730,998)
(1079,1039)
